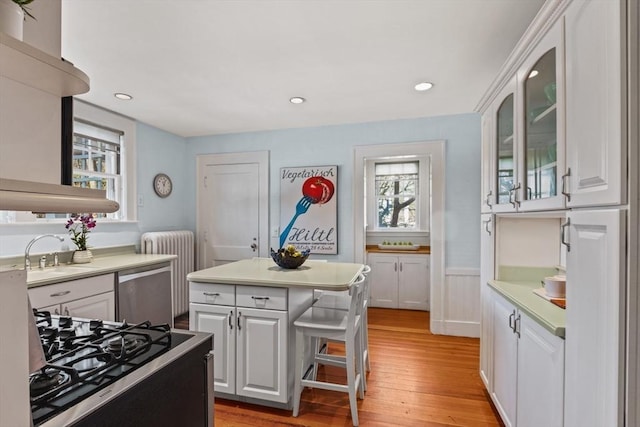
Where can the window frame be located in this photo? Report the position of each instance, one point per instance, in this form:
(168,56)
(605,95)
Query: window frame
(93,115)
(423,199)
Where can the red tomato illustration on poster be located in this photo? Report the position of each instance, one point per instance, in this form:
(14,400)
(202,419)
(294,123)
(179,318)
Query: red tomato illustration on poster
(308,208)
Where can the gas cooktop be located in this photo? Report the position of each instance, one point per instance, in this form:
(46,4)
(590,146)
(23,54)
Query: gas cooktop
(84,356)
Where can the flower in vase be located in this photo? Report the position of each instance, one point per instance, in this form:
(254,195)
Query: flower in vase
(79,227)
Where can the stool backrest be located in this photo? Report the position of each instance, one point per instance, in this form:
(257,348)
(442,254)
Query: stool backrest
(356,291)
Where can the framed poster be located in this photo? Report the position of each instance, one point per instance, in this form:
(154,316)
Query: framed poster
(309,208)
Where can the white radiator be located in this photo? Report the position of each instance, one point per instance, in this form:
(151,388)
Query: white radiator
(178,243)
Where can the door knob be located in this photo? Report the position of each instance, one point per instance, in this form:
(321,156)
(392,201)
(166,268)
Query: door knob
(254,247)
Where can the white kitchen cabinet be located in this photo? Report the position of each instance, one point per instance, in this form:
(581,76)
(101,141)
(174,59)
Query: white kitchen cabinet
(528,369)
(221,322)
(89,298)
(399,281)
(595,294)
(525,127)
(540,120)
(486,314)
(504,151)
(262,354)
(505,359)
(540,390)
(252,330)
(486,167)
(596,103)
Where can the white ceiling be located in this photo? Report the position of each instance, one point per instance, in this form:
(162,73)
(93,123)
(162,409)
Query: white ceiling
(202,67)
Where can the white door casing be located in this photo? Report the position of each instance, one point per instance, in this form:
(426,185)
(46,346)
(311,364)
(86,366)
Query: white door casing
(436,150)
(232,207)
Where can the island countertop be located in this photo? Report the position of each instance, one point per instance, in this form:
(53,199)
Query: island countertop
(335,276)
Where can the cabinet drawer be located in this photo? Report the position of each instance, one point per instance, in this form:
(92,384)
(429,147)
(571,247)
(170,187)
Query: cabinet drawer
(61,293)
(212,293)
(261,297)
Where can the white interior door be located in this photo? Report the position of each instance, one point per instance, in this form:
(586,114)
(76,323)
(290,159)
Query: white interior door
(232,207)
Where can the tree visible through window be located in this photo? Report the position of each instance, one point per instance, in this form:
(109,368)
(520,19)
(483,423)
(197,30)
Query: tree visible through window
(397,194)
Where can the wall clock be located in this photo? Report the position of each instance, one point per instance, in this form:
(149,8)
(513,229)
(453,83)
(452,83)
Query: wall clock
(162,185)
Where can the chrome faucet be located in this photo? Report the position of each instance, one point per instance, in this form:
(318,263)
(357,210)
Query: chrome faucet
(27,261)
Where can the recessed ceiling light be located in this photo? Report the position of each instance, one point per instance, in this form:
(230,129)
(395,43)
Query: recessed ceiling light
(297,100)
(421,87)
(123,96)
(533,73)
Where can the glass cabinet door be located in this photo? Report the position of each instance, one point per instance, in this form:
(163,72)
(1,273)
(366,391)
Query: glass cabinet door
(540,133)
(505,151)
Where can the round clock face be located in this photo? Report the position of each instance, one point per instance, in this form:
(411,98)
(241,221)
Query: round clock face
(162,185)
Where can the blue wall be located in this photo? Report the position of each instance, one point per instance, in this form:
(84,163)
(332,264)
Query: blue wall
(159,151)
(330,145)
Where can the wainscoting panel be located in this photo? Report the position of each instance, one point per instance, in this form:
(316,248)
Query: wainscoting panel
(462,302)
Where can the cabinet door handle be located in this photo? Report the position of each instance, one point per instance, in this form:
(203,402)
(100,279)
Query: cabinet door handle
(211,294)
(60,294)
(565,193)
(514,200)
(516,325)
(66,311)
(395,266)
(229,318)
(400,267)
(486,226)
(259,298)
(56,311)
(239,316)
(487,201)
(511,320)
(563,231)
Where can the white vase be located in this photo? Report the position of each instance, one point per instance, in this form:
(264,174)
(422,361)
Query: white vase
(11,19)
(82,257)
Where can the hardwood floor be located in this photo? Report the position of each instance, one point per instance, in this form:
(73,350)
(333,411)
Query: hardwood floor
(416,379)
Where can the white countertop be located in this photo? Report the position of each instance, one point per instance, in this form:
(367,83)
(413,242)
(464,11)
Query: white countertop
(99,265)
(336,276)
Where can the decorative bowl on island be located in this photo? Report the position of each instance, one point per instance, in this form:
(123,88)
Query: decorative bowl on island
(289,257)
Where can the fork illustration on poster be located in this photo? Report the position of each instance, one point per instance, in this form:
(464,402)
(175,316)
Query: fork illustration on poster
(308,226)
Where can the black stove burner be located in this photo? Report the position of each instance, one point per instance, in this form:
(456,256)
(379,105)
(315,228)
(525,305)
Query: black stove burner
(47,379)
(85,356)
(124,344)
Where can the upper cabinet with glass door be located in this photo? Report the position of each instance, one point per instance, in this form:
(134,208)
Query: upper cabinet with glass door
(505,155)
(541,144)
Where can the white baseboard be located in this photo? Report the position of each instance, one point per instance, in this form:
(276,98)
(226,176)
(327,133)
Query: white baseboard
(456,328)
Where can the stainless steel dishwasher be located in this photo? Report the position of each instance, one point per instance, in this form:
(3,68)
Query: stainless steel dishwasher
(145,293)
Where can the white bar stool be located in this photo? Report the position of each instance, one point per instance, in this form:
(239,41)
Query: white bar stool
(340,325)
(339,300)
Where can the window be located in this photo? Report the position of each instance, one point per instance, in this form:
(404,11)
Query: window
(97,160)
(398,194)
(397,186)
(104,144)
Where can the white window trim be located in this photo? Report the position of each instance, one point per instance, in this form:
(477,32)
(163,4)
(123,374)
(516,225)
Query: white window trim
(423,194)
(102,117)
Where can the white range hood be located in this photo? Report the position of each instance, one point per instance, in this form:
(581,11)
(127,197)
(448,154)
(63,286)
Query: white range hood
(17,195)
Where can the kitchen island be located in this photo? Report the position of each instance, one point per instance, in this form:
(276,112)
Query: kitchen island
(250,306)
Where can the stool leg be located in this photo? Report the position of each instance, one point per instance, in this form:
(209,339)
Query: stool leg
(365,335)
(297,383)
(362,387)
(351,377)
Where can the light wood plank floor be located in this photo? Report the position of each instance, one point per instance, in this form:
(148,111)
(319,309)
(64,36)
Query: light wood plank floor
(416,379)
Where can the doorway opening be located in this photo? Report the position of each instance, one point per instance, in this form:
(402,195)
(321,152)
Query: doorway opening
(434,151)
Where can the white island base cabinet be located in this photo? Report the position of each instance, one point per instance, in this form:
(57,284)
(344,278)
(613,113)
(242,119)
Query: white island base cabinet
(253,338)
